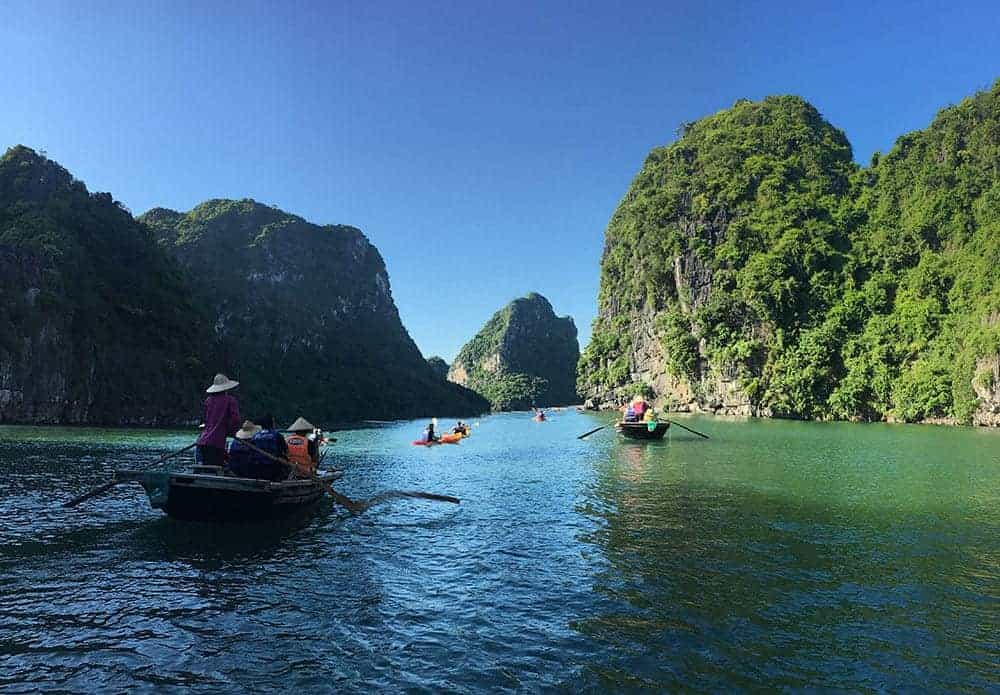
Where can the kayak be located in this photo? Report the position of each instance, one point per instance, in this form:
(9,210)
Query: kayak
(445,439)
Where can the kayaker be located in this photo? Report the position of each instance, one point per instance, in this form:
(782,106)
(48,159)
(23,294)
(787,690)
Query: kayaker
(240,457)
(222,419)
(303,450)
(460,428)
(269,440)
(429,433)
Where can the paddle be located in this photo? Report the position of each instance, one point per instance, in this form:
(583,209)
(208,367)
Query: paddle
(587,434)
(346,502)
(674,422)
(107,486)
(353,506)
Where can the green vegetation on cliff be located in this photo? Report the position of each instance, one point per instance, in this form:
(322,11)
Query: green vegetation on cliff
(303,315)
(98,326)
(523,356)
(755,253)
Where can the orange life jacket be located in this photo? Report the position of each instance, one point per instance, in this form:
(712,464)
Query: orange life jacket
(298,453)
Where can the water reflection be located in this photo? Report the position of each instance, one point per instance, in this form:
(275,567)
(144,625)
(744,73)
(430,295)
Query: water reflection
(714,584)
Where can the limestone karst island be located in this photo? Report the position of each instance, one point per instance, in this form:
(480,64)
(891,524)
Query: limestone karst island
(371,347)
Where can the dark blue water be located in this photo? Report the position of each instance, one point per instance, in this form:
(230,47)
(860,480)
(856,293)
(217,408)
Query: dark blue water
(777,555)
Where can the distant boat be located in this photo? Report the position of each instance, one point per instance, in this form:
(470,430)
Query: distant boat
(202,493)
(640,430)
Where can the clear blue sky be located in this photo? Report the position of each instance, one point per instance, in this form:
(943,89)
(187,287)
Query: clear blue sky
(481,146)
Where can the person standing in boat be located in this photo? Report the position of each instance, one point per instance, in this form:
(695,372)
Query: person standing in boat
(303,450)
(222,419)
(269,440)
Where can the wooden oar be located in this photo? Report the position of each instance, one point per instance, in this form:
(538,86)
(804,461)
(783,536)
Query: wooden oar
(587,434)
(674,422)
(392,494)
(350,505)
(107,486)
(353,506)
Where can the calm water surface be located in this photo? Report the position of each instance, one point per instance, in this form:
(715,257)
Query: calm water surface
(780,555)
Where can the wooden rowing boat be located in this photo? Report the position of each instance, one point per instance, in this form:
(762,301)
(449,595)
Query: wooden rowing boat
(640,430)
(203,493)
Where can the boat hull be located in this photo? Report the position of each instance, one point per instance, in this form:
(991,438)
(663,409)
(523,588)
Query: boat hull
(199,497)
(640,430)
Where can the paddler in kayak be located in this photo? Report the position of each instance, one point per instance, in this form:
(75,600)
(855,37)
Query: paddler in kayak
(429,435)
(303,450)
(460,428)
(539,416)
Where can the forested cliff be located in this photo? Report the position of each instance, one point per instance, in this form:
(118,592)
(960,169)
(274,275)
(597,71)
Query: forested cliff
(97,323)
(107,319)
(303,315)
(753,268)
(524,356)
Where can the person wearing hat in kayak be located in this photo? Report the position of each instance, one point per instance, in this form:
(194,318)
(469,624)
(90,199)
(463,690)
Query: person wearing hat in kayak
(303,450)
(222,419)
(240,457)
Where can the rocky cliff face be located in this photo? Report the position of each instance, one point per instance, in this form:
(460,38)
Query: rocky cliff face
(97,327)
(702,268)
(303,315)
(752,268)
(524,356)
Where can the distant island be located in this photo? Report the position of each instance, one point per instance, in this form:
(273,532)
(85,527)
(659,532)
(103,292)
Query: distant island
(753,268)
(525,356)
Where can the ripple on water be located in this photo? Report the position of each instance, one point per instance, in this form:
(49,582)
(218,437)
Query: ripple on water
(777,555)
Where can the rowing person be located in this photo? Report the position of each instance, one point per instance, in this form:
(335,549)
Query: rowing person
(222,419)
(429,435)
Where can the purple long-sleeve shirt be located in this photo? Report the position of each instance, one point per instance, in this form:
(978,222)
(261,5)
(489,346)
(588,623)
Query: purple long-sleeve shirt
(222,419)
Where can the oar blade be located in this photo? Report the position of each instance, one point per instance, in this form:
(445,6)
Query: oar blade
(587,434)
(90,494)
(703,436)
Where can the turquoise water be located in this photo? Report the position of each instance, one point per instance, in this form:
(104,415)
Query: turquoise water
(777,555)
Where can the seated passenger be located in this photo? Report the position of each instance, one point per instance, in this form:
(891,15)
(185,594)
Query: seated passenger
(628,413)
(268,440)
(303,450)
(636,410)
(240,456)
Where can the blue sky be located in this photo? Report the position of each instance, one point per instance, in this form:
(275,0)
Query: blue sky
(481,146)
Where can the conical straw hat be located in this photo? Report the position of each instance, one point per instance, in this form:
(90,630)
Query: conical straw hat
(248,430)
(221,383)
(301,425)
